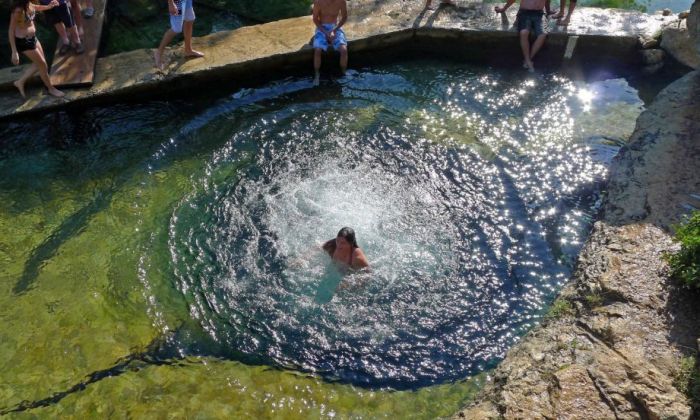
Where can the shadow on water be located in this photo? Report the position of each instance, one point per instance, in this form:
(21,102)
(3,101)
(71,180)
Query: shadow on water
(152,355)
(70,227)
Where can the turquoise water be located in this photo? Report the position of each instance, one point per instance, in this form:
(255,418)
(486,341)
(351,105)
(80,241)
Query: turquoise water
(163,255)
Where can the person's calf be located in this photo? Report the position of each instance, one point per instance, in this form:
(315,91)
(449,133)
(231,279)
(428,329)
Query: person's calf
(343,59)
(317,66)
(537,45)
(317,59)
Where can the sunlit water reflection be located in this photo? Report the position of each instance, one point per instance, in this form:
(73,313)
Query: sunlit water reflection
(470,192)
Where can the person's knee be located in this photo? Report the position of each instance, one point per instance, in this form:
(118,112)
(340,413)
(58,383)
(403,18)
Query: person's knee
(525,34)
(41,64)
(318,52)
(343,50)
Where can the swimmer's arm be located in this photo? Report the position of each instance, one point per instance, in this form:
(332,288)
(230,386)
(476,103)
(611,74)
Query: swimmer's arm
(302,259)
(360,261)
(504,8)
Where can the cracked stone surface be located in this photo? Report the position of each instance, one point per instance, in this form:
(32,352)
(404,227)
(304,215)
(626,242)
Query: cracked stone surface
(616,356)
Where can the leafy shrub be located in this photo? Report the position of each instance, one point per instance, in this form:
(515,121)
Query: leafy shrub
(594,300)
(560,308)
(685,264)
(687,380)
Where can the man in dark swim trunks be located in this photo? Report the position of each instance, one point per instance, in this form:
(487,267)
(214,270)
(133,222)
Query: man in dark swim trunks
(529,19)
(344,250)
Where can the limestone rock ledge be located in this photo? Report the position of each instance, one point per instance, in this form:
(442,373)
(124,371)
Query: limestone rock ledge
(615,355)
(681,39)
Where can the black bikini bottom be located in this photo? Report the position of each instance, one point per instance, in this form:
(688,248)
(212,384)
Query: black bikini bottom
(24,44)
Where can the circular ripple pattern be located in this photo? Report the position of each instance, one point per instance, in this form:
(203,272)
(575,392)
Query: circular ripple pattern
(465,236)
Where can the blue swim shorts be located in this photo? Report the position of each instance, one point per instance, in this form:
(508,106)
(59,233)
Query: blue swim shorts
(178,20)
(320,40)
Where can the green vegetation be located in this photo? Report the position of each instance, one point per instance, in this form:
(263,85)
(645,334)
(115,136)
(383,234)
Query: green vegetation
(687,380)
(685,264)
(594,300)
(618,4)
(559,309)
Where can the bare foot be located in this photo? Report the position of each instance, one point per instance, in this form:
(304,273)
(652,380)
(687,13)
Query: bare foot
(317,80)
(563,22)
(529,66)
(55,92)
(20,87)
(158,60)
(193,54)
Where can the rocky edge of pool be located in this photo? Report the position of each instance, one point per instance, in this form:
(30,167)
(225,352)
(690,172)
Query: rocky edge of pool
(611,346)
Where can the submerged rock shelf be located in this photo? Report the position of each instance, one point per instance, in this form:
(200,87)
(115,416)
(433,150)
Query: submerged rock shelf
(282,47)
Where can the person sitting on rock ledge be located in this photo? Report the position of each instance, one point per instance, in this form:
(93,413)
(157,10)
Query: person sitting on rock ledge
(181,19)
(328,32)
(529,19)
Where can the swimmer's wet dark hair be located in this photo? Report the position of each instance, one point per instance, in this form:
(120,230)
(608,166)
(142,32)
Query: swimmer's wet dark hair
(349,236)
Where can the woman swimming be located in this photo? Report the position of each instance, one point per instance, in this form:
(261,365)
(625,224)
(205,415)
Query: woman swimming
(345,251)
(22,33)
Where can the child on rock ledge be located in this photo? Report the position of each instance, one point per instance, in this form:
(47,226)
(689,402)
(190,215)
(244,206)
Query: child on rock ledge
(529,20)
(181,20)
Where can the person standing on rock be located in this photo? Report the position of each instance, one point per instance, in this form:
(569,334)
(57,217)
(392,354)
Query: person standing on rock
(559,16)
(22,33)
(529,19)
(326,14)
(181,19)
(62,20)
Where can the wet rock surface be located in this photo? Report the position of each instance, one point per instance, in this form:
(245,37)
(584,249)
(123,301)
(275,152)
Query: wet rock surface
(372,25)
(615,357)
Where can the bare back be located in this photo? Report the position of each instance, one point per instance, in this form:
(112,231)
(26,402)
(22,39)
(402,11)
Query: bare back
(329,11)
(532,4)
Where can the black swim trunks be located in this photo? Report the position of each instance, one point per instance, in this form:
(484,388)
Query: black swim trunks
(58,14)
(530,20)
(25,44)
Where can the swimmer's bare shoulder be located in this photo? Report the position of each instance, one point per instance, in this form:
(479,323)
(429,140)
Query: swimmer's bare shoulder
(359,259)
